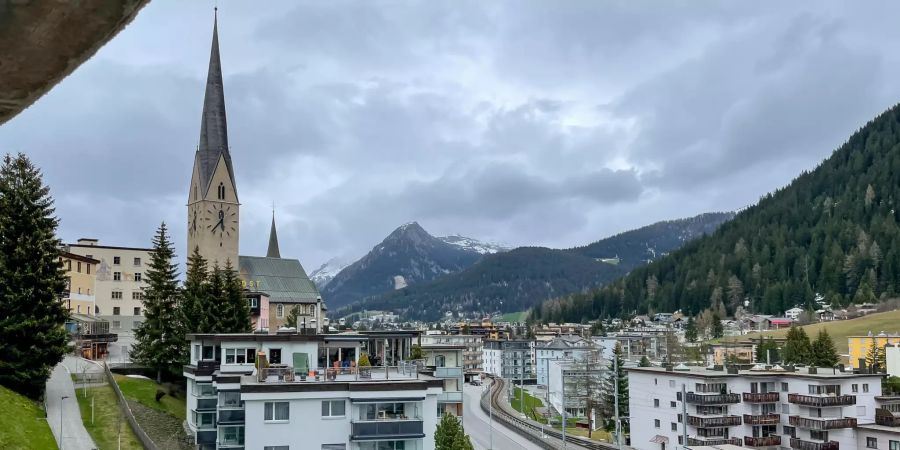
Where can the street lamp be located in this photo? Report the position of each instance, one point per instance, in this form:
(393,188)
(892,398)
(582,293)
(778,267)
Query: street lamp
(61,420)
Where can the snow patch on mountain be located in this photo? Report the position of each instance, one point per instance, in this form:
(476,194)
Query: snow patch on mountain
(326,272)
(474,245)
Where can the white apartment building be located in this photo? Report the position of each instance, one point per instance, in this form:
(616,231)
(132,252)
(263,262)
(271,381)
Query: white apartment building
(471,355)
(445,362)
(806,409)
(510,359)
(562,348)
(577,378)
(305,392)
(119,283)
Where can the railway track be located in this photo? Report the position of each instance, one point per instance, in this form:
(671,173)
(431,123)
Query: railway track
(529,429)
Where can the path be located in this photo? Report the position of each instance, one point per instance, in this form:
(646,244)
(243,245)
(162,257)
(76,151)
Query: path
(74,435)
(477,424)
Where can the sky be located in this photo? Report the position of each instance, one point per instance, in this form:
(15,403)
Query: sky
(522,122)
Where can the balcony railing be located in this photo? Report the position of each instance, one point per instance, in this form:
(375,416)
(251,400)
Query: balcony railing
(814,423)
(886,418)
(822,401)
(764,397)
(448,372)
(450,397)
(386,429)
(712,399)
(762,419)
(231,416)
(207,404)
(706,442)
(767,441)
(799,444)
(207,437)
(709,422)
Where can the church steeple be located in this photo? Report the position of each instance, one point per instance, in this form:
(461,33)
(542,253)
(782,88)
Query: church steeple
(213,125)
(273,251)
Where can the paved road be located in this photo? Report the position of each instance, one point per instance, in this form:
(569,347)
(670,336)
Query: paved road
(74,436)
(477,424)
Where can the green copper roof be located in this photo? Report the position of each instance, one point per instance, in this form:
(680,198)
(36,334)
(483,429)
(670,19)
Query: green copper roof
(284,280)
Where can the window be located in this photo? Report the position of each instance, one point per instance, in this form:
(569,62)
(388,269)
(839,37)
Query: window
(117,276)
(656,423)
(232,436)
(116,295)
(240,356)
(137,276)
(116,310)
(854,387)
(333,408)
(277,411)
(279,311)
(78,267)
(136,324)
(674,426)
(137,295)
(137,311)
(230,399)
(137,261)
(89,268)
(117,260)
(893,445)
(655,381)
(275,355)
(865,387)
(818,435)
(785,408)
(672,404)
(253,302)
(221,191)
(871,442)
(656,403)
(784,387)
(680,418)
(69,265)
(116,324)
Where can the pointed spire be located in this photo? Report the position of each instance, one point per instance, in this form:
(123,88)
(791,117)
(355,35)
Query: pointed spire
(273,251)
(213,126)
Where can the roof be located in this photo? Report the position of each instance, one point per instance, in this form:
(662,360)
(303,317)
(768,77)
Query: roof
(567,342)
(284,280)
(112,247)
(273,251)
(69,255)
(800,372)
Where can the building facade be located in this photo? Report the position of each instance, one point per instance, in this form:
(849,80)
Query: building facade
(119,283)
(583,383)
(859,346)
(446,361)
(806,409)
(510,359)
(562,348)
(80,273)
(472,354)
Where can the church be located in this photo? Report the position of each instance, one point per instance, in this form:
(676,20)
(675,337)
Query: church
(274,286)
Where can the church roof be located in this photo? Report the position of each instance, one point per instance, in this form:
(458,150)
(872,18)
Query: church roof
(284,280)
(213,126)
(273,251)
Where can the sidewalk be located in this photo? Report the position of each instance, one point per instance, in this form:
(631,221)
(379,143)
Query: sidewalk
(74,435)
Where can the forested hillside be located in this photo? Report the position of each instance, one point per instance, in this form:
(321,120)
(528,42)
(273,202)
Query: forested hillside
(521,278)
(831,231)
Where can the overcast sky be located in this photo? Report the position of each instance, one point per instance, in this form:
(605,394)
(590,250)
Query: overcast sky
(550,123)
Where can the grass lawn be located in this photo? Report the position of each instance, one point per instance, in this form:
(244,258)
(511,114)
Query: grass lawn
(530,403)
(519,316)
(840,329)
(107,417)
(22,423)
(143,390)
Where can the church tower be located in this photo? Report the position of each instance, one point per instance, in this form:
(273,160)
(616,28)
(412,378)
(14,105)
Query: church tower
(213,207)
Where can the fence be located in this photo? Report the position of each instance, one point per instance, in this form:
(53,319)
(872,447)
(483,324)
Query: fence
(145,440)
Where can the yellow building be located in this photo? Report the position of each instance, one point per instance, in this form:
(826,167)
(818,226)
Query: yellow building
(859,345)
(81,272)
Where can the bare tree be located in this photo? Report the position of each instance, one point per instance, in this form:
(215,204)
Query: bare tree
(584,380)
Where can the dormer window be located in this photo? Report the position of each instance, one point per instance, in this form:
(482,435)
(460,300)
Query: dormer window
(221,191)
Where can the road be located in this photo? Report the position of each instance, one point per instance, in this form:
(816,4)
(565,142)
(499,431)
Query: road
(477,424)
(74,435)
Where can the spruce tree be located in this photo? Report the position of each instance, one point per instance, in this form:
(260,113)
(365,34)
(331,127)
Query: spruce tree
(158,341)
(767,351)
(875,357)
(450,435)
(645,362)
(797,349)
(610,393)
(690,330)
(717,329)
(32,336)
(824,354)
(194,310)
(237,311)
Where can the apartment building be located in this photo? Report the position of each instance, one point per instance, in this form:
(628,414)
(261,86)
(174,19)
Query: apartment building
(80,273)
(445,362)
(119,284)
(561,348)
(299,391)
(802,409)
(579,377)
(635,343)
(474,347)
(510,359)
(858,346)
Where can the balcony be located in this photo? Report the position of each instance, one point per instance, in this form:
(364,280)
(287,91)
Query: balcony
(762,419)
(799,444)
(707,442)
(886,418)
(450,397)
(815,423)
(207,404)
(712,399)
(207,437)
(386,430)
(767,441)
(817,401)
(715,421)
(231,416)
(448,372)
(765,397)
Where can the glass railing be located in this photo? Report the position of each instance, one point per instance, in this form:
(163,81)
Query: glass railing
(410,428)
(231,416)
(207,404)
(450,397)
(448,372)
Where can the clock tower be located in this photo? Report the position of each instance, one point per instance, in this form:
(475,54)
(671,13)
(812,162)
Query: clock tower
(213,209)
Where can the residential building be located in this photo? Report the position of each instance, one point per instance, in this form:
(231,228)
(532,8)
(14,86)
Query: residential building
(731,352)
(80,273)
(389,347)
(859,346)
(805,409)
(582,379)
(562,348)
(884,434)
(472,354)
(118,284)
(510,359)
(635,343)
(287,288)
(793,313)
(299,391)
(445,361)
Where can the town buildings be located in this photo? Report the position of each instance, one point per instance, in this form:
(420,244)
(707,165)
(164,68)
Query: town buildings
(804,409)
(445,362)
(583,382)
(562,348)
(859,346)
(510,359)
(471,355)
(80,273)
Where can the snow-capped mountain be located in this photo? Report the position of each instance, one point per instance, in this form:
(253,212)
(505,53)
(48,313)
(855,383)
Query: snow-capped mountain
(326,272)
(467,243)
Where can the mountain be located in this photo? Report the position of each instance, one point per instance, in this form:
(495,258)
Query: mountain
(407,256)
(831,231)
(523,277)
(326,272)
(474,245)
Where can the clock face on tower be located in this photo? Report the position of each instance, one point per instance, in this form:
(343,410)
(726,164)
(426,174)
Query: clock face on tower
(193,220)
(221,220)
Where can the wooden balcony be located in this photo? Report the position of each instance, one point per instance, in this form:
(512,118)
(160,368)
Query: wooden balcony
(766,397)
(815,423)
(712,399)
(713,422)
(762,419)
(707,442)
(767,441)
(887,418)
(818,401)
(799,444)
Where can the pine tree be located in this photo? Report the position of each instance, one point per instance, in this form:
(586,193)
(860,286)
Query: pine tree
(767,351)
(875,357)
(717,329)
(610,392)
(236,318)
(196,311)
(797,349)
(158,341)
(450,435)
(32,337)
(824,354)
(690,330)
(644,362)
